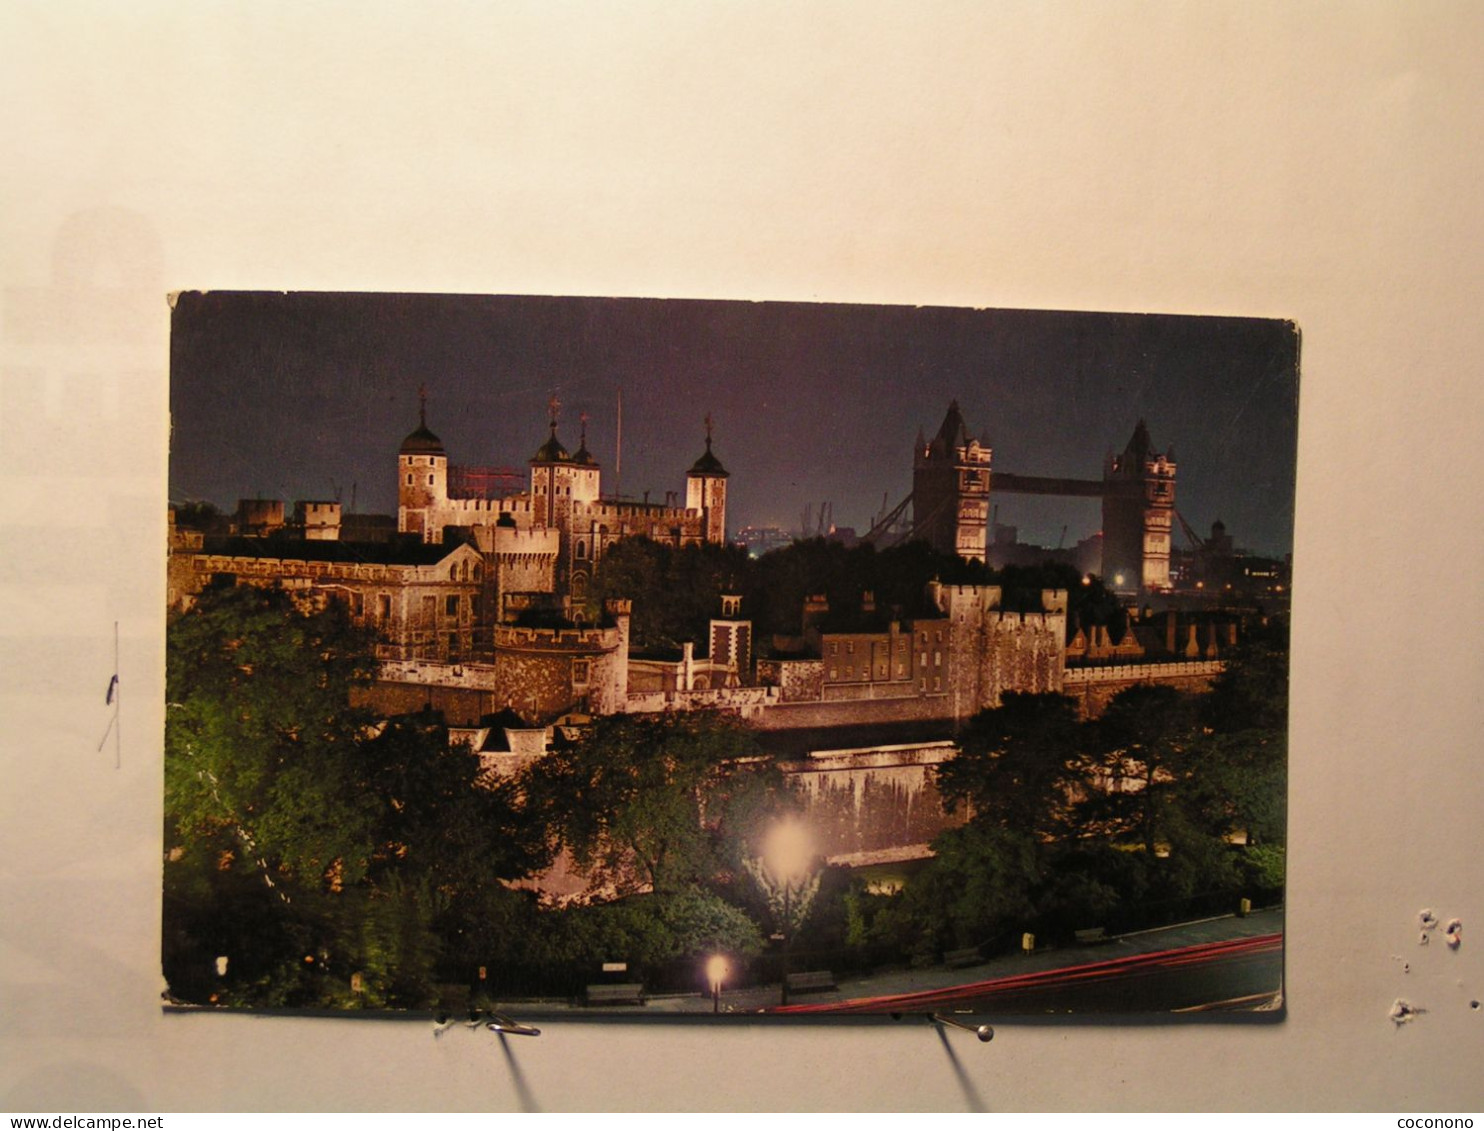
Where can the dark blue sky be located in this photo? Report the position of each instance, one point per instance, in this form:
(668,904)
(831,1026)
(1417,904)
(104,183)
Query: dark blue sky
(298,395)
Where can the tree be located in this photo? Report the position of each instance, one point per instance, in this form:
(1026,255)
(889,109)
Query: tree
(330,858)
(260,738)
(978,888)
(1244,770)
(1142,755)
(675,592)
(655,801)
(1015,764)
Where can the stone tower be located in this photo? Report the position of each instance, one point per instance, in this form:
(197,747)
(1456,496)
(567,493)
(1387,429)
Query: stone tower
(559,478)
(1138,507)
(422,480)
(706,491)
(950,489)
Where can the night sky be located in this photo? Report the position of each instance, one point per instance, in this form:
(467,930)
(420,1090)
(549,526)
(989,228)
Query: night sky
(303,396)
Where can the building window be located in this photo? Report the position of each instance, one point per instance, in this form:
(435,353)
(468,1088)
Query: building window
(430,481)
(581,550)
(850,647)
(409,479)
(383,607)
(937,684)
(834,674)
(937,659)
(451,607)
(581,671)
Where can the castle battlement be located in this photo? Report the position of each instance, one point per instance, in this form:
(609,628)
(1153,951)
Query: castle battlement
(532,540)
(519,638)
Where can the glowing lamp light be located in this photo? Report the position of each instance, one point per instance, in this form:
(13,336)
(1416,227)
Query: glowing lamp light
(717,970)
(788,851)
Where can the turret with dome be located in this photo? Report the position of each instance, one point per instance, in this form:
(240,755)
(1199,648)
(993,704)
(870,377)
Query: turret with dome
(422,475)
(706,491)
(559,528)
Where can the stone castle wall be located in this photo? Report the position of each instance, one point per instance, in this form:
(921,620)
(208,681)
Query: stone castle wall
(875,805)
(1095,687)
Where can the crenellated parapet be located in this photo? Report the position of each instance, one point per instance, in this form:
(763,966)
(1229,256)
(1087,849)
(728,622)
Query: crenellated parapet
(992,651)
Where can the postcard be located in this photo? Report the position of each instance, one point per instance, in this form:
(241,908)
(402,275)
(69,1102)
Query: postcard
(565,656)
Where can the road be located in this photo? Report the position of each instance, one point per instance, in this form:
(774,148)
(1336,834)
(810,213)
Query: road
(1244,973)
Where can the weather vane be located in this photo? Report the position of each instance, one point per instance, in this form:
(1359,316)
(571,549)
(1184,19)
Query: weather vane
(554,406)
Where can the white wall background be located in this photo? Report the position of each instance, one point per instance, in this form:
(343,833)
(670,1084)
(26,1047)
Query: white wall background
(1315,162)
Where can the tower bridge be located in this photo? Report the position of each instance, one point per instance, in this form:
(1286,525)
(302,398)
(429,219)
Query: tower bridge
(952,479)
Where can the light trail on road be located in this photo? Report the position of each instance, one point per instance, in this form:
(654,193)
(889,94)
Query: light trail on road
(1161,973)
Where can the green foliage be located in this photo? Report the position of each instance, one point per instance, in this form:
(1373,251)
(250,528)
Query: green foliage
(1016,764)
(789,900)
(260,739)
(898,577)
(1263,867)
(1128,818)
(307,845)
(978,888)
(675,592)
(655,801)
(662,927)
(1245,770)
(1141,754)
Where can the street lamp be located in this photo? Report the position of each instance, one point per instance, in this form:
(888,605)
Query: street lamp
(787,854)
(716,972)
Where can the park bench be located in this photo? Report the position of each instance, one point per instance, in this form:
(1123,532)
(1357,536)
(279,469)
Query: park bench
(958,959)
(1091,935)
(810,981)
(616,993)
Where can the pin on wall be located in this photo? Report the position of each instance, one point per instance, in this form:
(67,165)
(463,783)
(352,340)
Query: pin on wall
(488,1019)
(984,1032)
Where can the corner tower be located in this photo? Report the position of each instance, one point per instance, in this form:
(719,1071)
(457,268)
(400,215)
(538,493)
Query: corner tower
(950,489)
(706,491)
(422,479)
(1138,506)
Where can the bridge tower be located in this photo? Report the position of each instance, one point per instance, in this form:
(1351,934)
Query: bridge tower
(1138,507)
(950,489)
